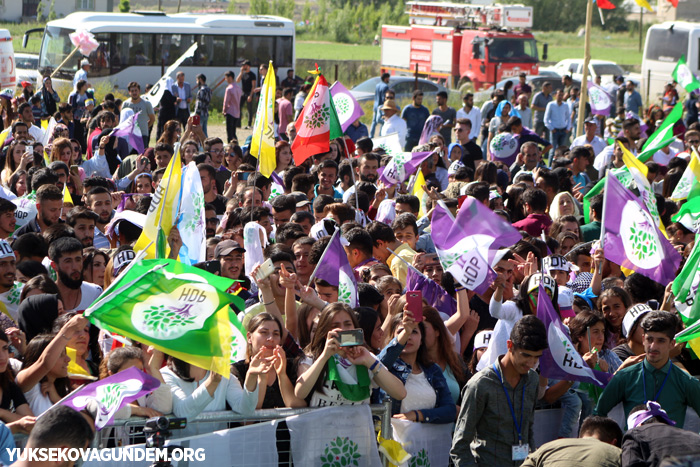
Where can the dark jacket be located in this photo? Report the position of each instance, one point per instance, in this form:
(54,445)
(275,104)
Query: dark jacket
(648,445)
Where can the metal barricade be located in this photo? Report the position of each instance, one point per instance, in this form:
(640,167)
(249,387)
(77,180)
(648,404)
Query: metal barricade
(130,431)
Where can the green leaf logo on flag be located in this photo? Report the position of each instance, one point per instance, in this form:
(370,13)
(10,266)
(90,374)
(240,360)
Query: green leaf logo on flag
(638,234)
(171,314)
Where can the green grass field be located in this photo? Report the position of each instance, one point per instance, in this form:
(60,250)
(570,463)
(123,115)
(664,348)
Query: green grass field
(622,48)
(17,31)
(334,51)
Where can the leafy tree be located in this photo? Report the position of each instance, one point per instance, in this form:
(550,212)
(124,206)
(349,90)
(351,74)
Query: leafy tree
(570,15)
(259,7)
(52,12)
(124,6)
(40,10)
(283,8)
(306,12)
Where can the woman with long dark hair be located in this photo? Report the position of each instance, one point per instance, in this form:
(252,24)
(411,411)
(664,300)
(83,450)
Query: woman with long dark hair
(335,375)
(13,405)
(44,375)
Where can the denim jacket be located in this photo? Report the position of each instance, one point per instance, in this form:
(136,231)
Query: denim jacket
(445,410)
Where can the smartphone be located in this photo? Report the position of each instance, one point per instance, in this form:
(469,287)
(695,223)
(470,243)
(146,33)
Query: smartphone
(414,300)
(30,149)
(351,338)
(431,258)
(266,268)
(74,170)
(195,120)
(243,175)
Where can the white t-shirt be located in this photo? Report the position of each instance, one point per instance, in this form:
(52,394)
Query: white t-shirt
(597,144)
(395,124)
(89,293)
(38,402)
(331,395)
(420,395)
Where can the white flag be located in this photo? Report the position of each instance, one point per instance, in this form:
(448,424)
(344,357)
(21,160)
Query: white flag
(191,221)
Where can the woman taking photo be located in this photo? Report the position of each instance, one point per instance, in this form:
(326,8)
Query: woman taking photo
(335,375)
(276,387)
(428,399)
(18,158)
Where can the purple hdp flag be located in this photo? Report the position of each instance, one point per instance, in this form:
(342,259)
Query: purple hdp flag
(432,292)
(601,102)
(112,393)
(129,130)
(561,360)
(335,269)
(631,237)
(402,166)
(467,245)
(346,105)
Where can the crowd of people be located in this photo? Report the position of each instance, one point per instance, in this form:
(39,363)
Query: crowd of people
(475,368)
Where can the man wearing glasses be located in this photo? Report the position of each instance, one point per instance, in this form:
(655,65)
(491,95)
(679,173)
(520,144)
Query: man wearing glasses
(215,147)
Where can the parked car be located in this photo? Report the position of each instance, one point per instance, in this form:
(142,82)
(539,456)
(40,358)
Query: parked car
(403,86)
(536,81)
(606,69)
(26,66)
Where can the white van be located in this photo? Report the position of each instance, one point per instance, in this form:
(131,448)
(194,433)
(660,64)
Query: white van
(664,46)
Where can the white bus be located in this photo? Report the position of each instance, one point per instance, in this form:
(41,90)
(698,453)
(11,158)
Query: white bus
(140,46)
(665,44)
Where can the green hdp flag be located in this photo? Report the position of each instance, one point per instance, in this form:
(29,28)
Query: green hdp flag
(663,136)
(179,309)
(689,214)
(684,76)
(598,188)
(685,287)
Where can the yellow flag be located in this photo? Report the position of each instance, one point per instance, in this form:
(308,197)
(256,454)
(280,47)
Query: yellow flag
(162,214)
(73,367)
(44,124)
(67,198)
(644,4)
(4,135)
(418,191)
(262,145)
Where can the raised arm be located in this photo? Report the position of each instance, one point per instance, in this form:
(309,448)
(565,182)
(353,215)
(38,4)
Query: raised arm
(30,377)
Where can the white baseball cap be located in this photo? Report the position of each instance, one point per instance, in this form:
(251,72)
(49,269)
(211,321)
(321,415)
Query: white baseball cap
(632,316)
(482,339)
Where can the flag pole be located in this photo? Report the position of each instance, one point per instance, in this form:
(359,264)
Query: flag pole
(602,220)
(586,59)
(352,173)
(313,274)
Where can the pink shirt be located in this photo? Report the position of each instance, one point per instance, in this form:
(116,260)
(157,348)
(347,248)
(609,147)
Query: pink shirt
(232,100)
(286,113)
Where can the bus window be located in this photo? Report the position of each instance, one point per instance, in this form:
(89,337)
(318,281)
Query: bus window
(283,52)
(666,45)
(169,47)
(214,50)
(132,50)
(257,49)
(100,59)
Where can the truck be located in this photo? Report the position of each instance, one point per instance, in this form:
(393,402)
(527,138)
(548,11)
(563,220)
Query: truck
(461,45)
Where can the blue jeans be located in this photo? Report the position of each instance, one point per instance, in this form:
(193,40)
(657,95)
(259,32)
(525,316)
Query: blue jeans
(203,122)
(559,138)
(376,121)
(571,411)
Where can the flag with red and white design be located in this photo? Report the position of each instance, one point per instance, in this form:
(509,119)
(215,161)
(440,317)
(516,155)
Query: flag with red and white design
(317,123)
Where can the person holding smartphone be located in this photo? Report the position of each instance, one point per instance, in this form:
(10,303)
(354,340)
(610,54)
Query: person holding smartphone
(335,375)
(414,367)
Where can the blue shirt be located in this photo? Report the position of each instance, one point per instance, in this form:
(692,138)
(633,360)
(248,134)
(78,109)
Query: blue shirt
(633,102)
(357,132)
(557,116)
(380,94)
(415,119)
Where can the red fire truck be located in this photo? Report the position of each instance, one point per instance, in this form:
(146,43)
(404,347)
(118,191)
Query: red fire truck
(461,44)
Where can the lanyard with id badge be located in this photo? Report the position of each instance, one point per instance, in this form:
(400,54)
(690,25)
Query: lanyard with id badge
(519,451)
